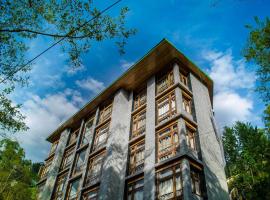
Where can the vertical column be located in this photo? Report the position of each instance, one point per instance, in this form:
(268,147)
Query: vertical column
(179,107)
(178,94)
(114,167)
(185,168)
(54,168)
(149,160)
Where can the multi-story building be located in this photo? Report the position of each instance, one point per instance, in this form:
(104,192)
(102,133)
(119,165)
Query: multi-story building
(149,135)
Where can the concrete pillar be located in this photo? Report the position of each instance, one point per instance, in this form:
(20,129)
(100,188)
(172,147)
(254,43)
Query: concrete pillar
(150,138)
(54,168)
(114,167)
(178,93)
(210,150)
(179,109)
(185,169)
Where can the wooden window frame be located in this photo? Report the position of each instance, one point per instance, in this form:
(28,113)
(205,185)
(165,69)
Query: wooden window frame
(72,141)
(171,150)
(57,191)
(135,122)
(96,189)
(140,99)
(99,158)
(78,169)
(84,135)
(191,136)
(164,82)
(45,169)
(134,189)
(67,154)
(184,78)
(195,175)
(174,174)
(169,98)
(105,113)
(98,145)
(53,147)
(69,190)
(134,165)
(187,102)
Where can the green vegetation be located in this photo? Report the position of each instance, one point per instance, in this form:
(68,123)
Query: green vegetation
(23,21)
(247,154)
(18,176)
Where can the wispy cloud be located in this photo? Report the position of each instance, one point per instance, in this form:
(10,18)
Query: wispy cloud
(44,115)
(91,84)
(124,64)
(231,81)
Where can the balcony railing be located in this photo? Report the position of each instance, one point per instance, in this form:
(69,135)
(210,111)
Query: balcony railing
(138,132)
(166,116)
(137,167)
(93,178)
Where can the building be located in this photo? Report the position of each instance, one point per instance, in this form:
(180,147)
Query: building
(149,135)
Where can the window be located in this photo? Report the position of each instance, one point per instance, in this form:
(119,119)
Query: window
(164,82)
(136,161)
(67,160)
(135,189)
(169,183)
(140,99)
(190,135)
(166,107)
(184,79)
(168,142)
(94,169)
(45,169)
(87,132)
(59,187)
(79,162)
(73,137)
(91,195)
(73,190)
(53,147)
(186,103)
(195,182)
(105,113)
(138,124)
(101,137)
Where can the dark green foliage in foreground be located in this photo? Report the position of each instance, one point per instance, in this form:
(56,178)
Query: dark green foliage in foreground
(17,175)
(247,153)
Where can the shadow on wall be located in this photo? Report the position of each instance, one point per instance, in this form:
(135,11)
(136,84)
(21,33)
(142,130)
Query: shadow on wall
(114,167)
(215,189)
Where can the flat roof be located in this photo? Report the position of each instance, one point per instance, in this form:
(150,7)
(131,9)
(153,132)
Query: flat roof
(151,63)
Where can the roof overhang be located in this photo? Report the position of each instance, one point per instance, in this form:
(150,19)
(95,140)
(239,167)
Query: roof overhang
(154,61)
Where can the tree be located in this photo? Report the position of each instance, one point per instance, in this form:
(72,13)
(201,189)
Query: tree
(258,50)
(17,179)
(25,20)
(247,156)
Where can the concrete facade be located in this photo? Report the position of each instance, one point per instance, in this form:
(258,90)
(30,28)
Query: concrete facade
(116,182)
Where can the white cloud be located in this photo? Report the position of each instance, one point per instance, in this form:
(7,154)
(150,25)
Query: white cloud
(231,107)
(232,83)
(44,115)
(126,64)
(91,84)
(227,73)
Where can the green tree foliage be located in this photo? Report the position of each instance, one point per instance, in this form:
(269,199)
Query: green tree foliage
(247,154)
(24,20)
(17,175)
(258,51)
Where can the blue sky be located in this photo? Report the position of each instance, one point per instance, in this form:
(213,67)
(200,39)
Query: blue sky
(211,33)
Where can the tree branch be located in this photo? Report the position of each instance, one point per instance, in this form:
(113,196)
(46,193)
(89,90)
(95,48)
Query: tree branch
(41,33)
